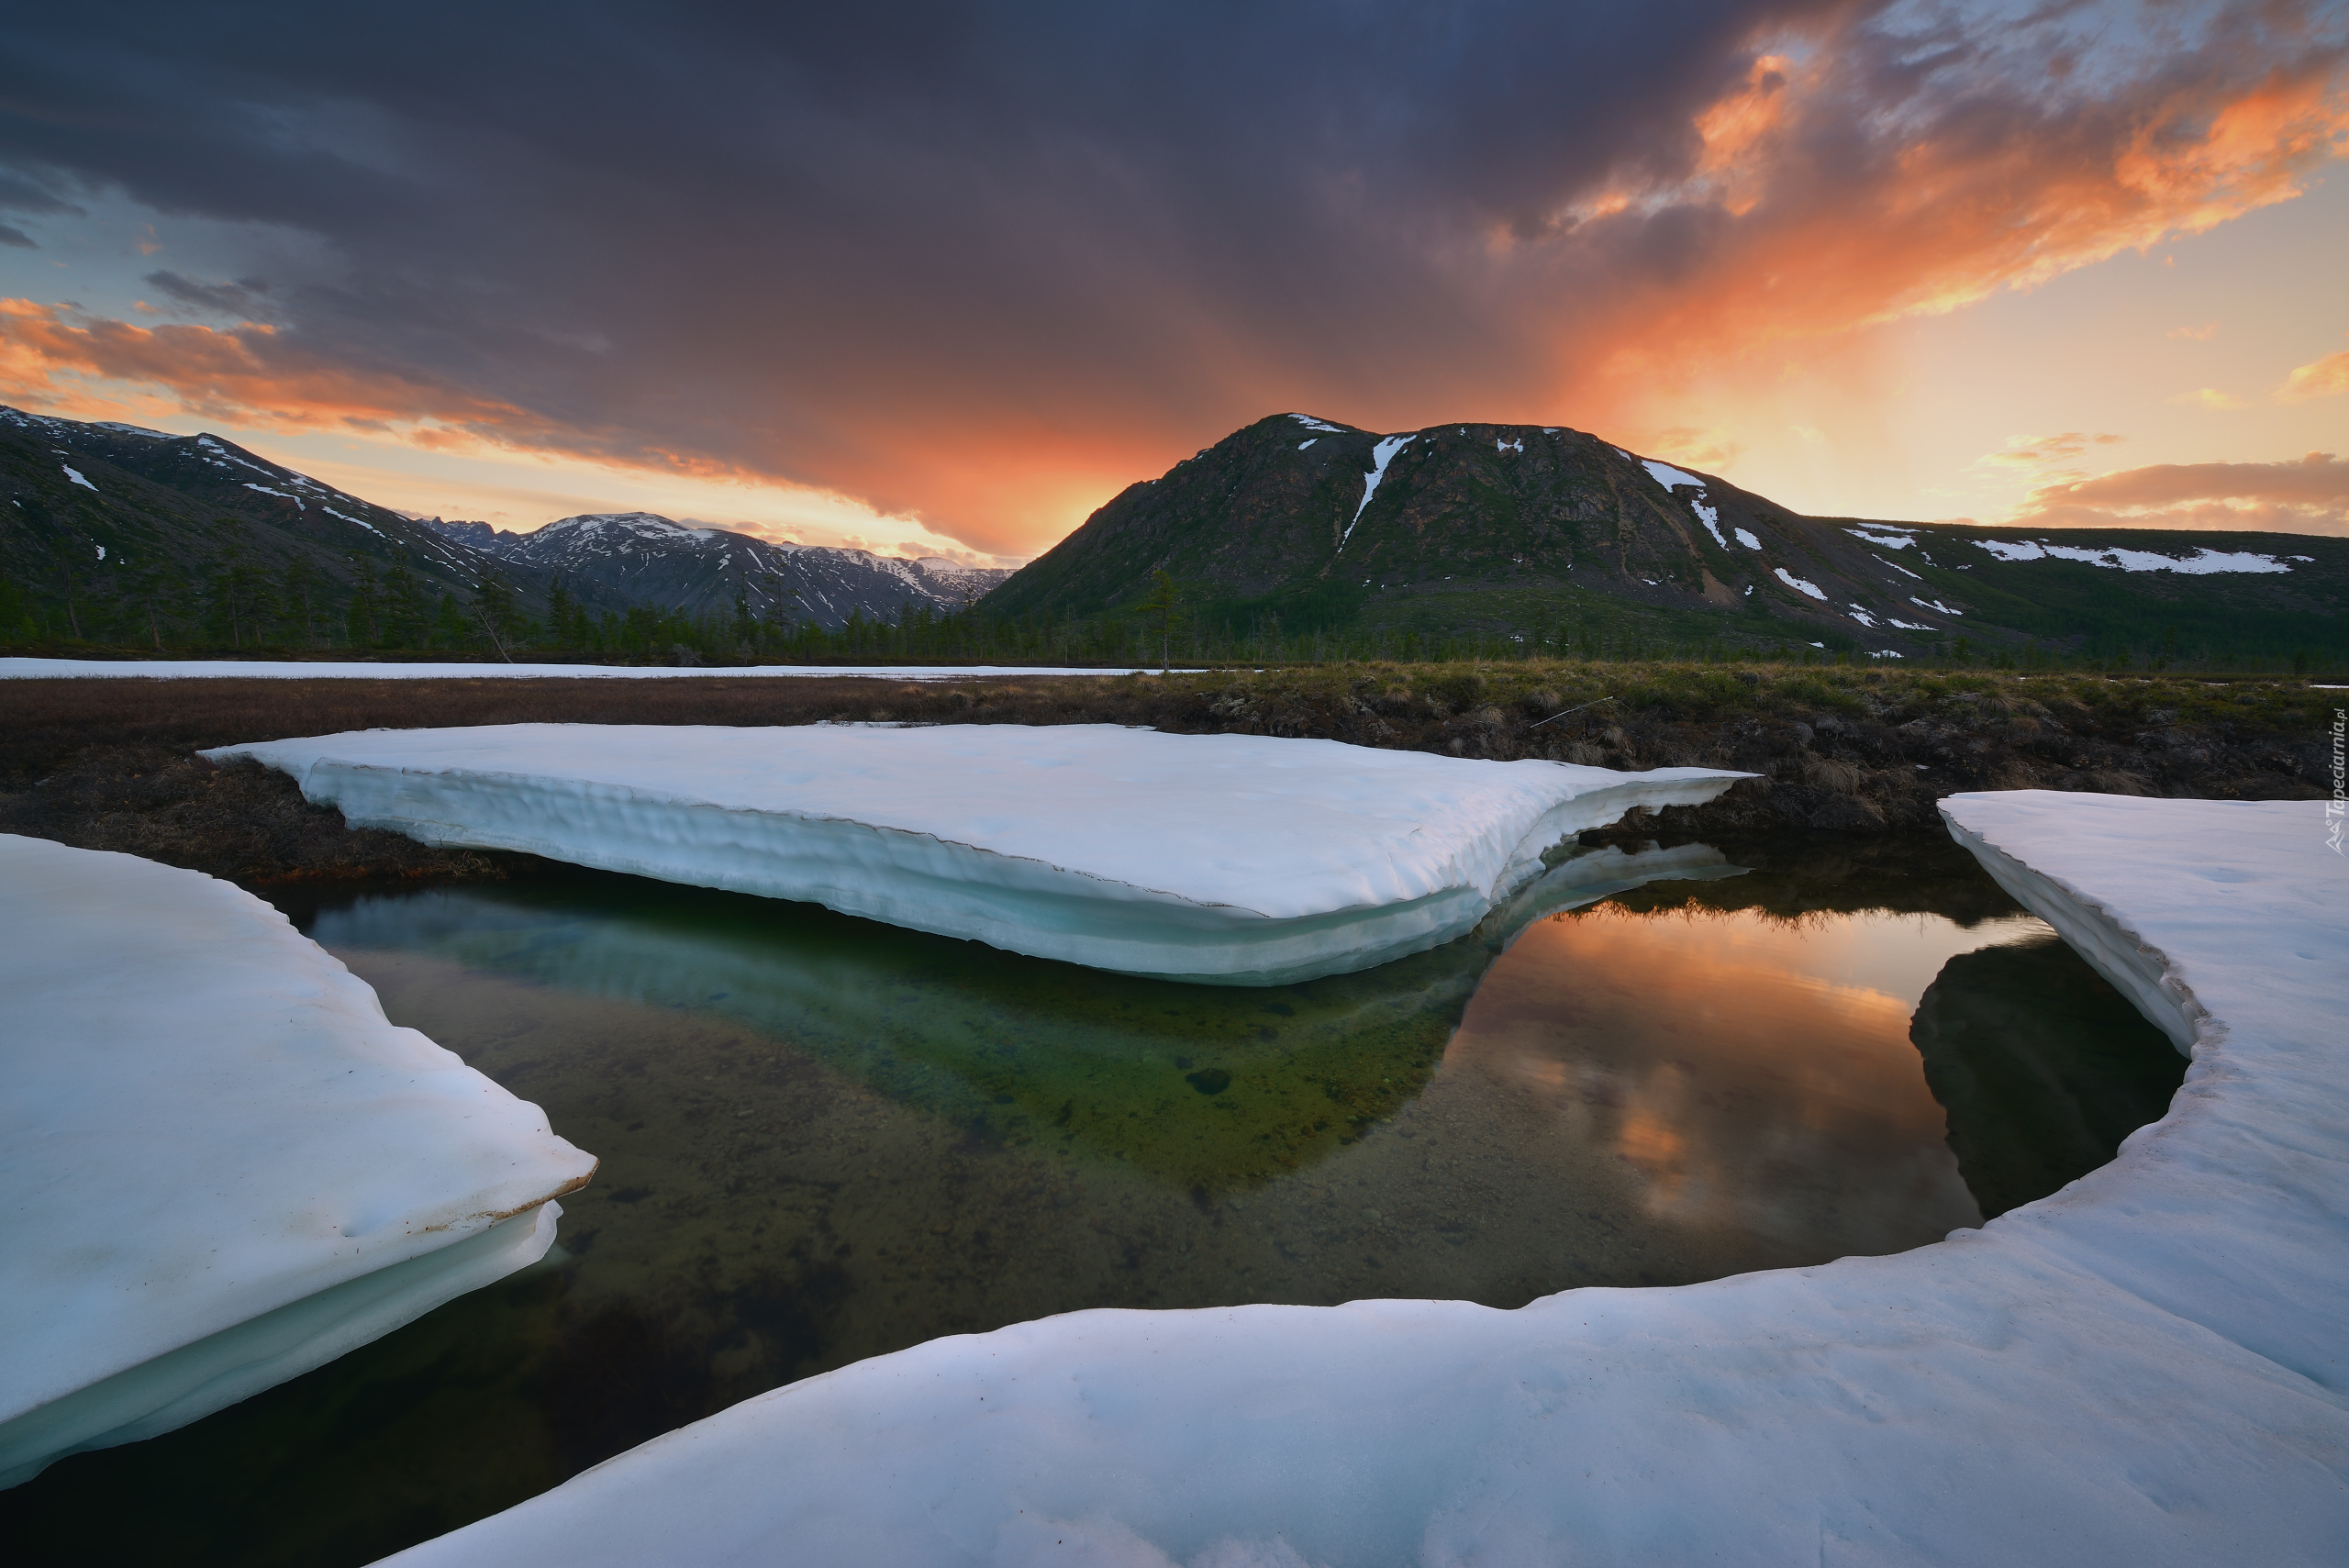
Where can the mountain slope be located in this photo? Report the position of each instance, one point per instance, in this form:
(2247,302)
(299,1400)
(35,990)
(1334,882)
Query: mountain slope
(642,558)
(133,531)
(1545,532)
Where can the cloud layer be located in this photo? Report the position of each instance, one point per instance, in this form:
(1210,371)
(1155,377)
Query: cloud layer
(984,269)
(2307,497)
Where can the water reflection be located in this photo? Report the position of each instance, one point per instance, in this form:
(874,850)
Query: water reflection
(1754,1072)
(2042,1066)
(823,1139)
(1204,1087)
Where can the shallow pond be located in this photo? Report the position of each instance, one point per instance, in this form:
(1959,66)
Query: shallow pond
(823,1139)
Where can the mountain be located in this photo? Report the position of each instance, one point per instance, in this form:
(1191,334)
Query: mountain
(1553,536)
(645,559)
(111,532)
(135,535)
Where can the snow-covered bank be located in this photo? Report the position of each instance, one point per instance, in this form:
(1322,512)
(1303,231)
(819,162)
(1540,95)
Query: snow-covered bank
(2146,1368)
(222,1166)
(1235,858)
(295,670)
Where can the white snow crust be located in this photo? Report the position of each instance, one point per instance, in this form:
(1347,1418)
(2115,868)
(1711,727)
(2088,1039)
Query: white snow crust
(1791,580)
(2146,1368)
(1380,456)
(1230,858)
(1711,518)
(292,669)
(1878,537)
(75,475)
(222,1165)
(1745,537)
(2201,563)
(1666,475)
(1312,424)
(1663,473)
(362,522)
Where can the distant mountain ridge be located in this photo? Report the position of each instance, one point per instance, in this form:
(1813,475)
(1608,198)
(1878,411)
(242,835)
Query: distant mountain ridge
(109,513)
(643,557)
(137,531)
(1535,531)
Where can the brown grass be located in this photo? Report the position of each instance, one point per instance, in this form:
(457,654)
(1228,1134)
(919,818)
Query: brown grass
(110,764)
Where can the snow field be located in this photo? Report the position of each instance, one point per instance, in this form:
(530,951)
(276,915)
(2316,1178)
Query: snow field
(2203,562)
(222,1166)
(1226,859)
(2145,1368)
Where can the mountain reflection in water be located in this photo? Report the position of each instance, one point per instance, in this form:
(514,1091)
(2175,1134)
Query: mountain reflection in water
(824,1138)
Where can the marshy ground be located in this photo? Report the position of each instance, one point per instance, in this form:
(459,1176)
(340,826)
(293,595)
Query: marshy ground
(111,764)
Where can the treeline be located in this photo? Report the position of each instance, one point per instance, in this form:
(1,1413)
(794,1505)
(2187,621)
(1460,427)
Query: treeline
(239,607)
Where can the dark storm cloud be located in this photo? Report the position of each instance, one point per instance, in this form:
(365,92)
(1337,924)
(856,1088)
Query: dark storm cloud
(924,255)
(244,299)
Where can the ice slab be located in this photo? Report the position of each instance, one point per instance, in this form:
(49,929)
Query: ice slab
(1231,858)
(2147,1367)
(299,670)
(222,1165)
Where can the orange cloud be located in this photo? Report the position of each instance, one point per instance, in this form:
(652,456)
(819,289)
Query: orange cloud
(2322,378)
(2045,452)
(1930,221)
(1042,345)
(253,375)
(2310,496)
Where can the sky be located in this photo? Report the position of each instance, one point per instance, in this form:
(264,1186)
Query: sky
(936,279)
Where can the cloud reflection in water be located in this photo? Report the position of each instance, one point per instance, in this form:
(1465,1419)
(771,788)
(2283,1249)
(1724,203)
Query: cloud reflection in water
(1756,1073)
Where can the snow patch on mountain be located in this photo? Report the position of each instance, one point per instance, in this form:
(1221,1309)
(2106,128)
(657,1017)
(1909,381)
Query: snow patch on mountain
(75,475)
(1663,473)
(1380,456)
(1791,580)
(1666,475)
(2201,563)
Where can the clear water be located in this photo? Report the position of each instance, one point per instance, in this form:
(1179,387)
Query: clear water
(823,1139)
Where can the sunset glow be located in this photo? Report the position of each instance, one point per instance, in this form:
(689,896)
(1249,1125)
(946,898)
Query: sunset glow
(2080,267)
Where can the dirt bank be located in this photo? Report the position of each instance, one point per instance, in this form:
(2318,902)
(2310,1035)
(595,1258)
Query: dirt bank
(110,763)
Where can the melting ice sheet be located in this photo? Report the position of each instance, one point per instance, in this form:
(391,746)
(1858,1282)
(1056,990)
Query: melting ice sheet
(223,1167)
(1236,858)
(2144,1368)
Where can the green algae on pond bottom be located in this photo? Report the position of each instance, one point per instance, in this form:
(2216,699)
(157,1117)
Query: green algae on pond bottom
(1205,1087)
